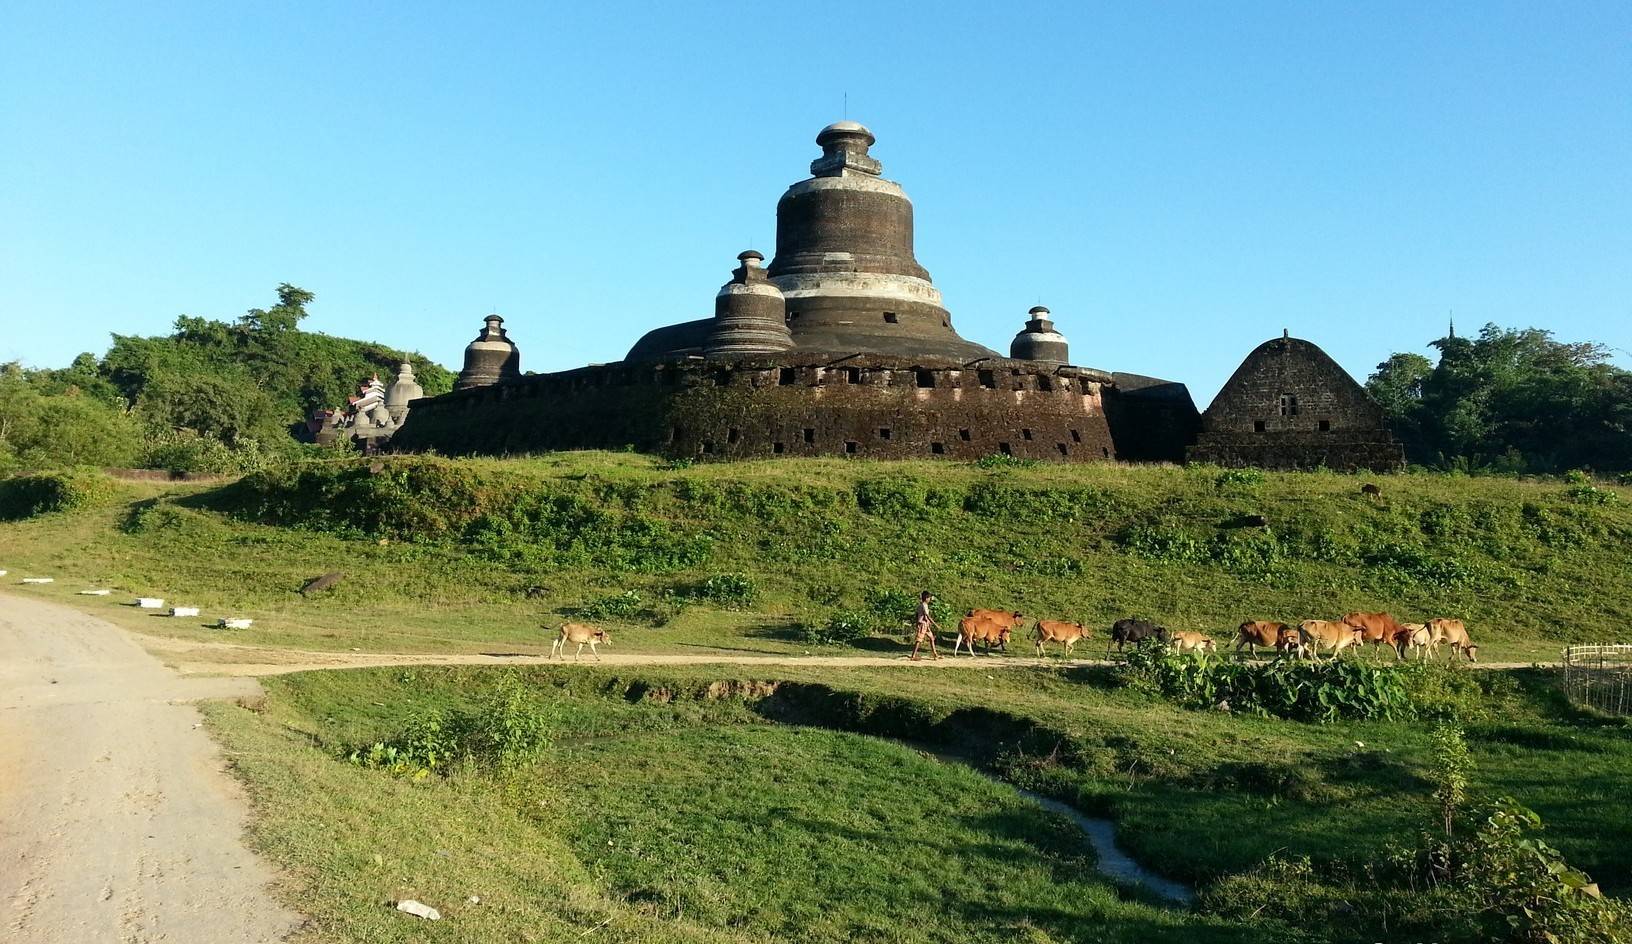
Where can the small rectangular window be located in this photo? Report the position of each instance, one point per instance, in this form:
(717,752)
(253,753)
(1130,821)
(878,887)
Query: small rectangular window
(1045,383)
(1325,426)
(1026,435)
(1257,426)
(1106,450)
(1004,448)
(853,374)
(890,318)
(988,380)
(731,435)
(963,434)
(883,432)
(938,449)
(850,446)
(777,448)
(707,448)
(926,378)
(785,376)
(1076,437)
(1064,449)
(810,435)
(1289,405)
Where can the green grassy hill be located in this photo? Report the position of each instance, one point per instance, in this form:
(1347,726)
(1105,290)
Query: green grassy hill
(445,553)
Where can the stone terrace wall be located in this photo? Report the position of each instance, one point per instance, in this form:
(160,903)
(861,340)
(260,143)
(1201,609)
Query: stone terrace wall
(864,406)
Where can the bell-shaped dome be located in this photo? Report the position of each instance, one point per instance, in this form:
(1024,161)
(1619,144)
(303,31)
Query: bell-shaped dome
(491,358)
(1039,341)
(403,389)
(749,314)
(845,263)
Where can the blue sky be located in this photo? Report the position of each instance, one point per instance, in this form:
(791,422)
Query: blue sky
(1177,181)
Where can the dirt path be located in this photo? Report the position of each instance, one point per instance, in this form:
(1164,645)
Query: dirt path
(118,821)
(193,657)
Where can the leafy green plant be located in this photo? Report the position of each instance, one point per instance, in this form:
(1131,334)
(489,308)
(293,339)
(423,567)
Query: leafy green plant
(619,606)
(26,496)
(728,589)
(1238,477)
(841,627)
(1333,690)
(1003,460)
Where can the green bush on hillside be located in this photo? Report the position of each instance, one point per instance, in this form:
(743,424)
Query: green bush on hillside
(1334,690)
(26,496)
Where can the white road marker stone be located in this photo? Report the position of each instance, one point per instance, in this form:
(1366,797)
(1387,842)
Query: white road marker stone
(184,611)
(150,603)
(94,593)
(39,580)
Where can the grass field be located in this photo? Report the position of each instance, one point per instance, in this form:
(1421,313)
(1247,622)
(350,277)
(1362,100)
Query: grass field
(464,556)
(686,805)
(702,804)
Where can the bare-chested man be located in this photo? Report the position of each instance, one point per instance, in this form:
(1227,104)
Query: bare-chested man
(924,627)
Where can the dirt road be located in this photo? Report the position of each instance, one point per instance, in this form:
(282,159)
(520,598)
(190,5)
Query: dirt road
(193,657)
(118,821)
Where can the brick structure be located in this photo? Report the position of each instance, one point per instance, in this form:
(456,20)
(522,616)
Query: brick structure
(841,346)
(1290,406)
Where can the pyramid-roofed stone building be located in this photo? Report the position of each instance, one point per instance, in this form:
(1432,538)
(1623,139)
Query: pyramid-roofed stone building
(1290,406)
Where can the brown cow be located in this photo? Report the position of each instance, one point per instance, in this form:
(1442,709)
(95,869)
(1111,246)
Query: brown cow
(1192,642)
(582,634)
(1255,633)
(974,628)
(1328,634)
(1290,642)
(1066,634)
(1453,633)
(1412,636)
(1379,629)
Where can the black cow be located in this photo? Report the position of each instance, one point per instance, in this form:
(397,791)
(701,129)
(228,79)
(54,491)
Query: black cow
(1134,631)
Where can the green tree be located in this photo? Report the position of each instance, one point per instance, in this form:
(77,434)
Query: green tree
(1509,399)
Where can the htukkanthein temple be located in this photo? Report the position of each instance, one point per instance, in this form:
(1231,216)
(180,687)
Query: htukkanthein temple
(840,346)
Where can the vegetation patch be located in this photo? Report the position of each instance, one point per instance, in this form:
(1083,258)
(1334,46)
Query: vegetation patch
(26,496)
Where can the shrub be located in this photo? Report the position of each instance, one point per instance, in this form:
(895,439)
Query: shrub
(26,496)
(730,589)
(839,628)
(1625,478)
(619,606)
(1589,494)
(890,611)
(1002,460)
(505,729)
(1333,690)
(1241,477)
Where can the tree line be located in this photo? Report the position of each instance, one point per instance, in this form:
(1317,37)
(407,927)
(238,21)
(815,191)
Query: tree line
(1509,401)
(219,396)
(212,396)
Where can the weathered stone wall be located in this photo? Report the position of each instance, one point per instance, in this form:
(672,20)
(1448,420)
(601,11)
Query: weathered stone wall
(746,408)
(1290,406)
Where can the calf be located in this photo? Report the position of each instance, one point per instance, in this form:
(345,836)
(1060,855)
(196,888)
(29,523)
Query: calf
(1066,634)
(1290,642)
(1192,642)
(582,634)
(1328,634)
(1453,633)
(1412,636)
(973,628)
(1255,633)
(1379,629)
(1134,631)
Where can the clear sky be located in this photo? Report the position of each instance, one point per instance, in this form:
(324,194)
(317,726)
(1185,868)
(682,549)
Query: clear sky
(1177,181)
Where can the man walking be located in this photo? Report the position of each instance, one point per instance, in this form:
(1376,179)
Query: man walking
(924,627)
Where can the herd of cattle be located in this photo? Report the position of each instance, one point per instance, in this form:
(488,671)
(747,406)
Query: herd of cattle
(1307,639)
